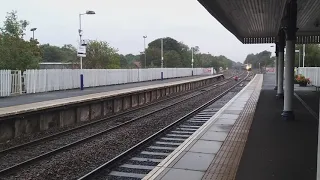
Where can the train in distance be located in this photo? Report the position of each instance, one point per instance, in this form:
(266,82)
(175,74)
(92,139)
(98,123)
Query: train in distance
(248,67)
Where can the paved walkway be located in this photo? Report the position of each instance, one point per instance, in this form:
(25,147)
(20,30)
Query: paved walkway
(60,102)
(248,140)
(277,149)
(311,98)
(214,150)
(39,97)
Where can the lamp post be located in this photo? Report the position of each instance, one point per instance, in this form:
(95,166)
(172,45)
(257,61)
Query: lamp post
(275,61)
(33,29)
(161,58)
(298,51)
(161,52)
(145,54)
(192,61)
(80,44)
(80,30)
(304,54)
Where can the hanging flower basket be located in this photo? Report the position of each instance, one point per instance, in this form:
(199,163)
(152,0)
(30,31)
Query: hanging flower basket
(302,81)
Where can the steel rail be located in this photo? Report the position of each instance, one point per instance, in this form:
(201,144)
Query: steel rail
(44,155)
(133,149)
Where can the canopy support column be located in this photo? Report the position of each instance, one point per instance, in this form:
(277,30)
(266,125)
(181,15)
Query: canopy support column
(276,66)
(280,68)
(291,30)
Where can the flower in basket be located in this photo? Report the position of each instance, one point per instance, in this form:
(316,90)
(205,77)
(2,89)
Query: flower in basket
(300,79)
(308,80)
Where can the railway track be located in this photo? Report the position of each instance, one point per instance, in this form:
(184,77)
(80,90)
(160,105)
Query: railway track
(138,161)
(8,146)
(28,153)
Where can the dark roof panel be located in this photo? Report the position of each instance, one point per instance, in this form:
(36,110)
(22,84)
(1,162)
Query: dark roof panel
(258,21)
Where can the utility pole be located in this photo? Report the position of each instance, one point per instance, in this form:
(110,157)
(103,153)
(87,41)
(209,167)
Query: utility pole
(80,44)
(192,61)
(304,54)
(33,29)
(145,54)
(192,57)
(161,58)
(161,52)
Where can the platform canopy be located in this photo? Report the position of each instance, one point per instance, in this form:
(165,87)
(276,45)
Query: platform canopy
(259,21)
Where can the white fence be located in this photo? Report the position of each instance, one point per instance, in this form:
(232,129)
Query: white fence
(60,79)
(5,85)
(311,72)
(10,82)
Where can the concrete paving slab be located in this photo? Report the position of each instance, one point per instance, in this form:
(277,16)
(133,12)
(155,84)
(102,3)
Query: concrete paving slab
(183,174)
(194,161)
(214,136)
(202,146)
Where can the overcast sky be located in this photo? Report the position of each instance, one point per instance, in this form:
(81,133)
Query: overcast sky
(122,23)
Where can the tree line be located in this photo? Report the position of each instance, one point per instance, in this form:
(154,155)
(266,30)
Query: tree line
(312,57)
(262,59)
(178,54)
(17,53)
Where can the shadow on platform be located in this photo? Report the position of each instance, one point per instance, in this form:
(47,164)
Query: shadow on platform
(280,150)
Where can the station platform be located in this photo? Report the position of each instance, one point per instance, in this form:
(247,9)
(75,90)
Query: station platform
(53,95)
(32,114)
(248,140)
(36,102)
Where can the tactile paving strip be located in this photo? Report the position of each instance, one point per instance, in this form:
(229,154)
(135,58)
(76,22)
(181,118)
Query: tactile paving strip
(226,162)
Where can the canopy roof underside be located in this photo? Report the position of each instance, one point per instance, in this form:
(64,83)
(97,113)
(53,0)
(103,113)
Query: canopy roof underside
(259,21)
